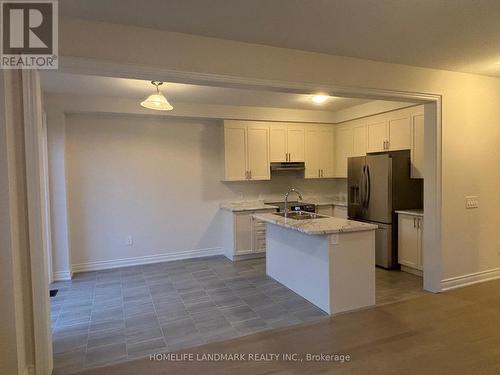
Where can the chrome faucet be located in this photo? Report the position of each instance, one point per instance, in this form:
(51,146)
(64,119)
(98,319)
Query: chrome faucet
(292,190)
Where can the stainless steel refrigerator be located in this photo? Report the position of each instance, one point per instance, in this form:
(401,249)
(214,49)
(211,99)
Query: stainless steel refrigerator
(377,185)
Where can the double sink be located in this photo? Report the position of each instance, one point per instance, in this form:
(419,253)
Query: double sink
(301,215)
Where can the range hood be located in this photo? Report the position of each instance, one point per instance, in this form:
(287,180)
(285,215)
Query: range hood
(288,166)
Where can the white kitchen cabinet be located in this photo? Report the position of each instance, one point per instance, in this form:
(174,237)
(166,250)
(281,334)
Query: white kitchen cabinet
(399,132)
(235,147)
(417,145)
(296,142)
(377,136)
(340,211)
(277,143)
(344,146)
(390,134)
(246,146)
(258,152)
(410,234)
(244,236)
(360,140)
(319,152)
(287,142)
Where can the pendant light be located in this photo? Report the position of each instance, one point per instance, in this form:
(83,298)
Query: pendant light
(157,101)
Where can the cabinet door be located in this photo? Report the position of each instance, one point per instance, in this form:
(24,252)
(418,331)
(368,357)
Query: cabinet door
(312,152)
(420,245)
(296,142)
(243,233)
(325,210)
(407,241)
(327,153)
(377,136)
(258,152)
(399,133)
(277,143)
(417,145)
(235,147)
(343,149)
(258,235)
(360,136)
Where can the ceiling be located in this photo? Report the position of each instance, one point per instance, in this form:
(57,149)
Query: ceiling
(64,83)
(460,35)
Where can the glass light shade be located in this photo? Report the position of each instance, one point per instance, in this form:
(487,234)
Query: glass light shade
(158,102)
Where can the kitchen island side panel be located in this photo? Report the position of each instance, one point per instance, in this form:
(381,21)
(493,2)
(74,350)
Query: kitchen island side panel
(352,271)
(300,262)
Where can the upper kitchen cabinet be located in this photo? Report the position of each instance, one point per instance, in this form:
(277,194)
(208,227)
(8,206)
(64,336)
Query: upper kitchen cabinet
(351,139)
(246,146)
(287,142)
(377,135)
(360,140)
(319,151)
(344,147)
(399,129)
(417,144)
(389,133)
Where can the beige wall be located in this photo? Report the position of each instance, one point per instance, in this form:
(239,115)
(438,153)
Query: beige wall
(155,178)
(470,112)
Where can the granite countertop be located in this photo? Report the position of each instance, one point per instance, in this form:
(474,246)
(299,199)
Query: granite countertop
(246,206)
(415,212)
(327,225)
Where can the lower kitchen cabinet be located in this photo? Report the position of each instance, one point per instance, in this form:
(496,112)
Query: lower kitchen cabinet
(410,235)
(244,236)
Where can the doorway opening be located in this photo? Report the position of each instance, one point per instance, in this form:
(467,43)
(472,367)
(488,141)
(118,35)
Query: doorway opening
(349,124)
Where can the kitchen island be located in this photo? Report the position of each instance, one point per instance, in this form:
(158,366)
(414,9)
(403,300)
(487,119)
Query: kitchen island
(327,260)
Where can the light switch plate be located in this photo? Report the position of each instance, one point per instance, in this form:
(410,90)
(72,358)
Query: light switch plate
(471,201)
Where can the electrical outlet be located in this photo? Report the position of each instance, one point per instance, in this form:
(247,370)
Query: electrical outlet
(471,201)
(129,241)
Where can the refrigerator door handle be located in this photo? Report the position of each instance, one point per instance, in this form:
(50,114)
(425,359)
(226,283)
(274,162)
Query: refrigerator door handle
(362,187)
(368,187)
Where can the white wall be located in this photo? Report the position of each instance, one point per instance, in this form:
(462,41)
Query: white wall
(155,178)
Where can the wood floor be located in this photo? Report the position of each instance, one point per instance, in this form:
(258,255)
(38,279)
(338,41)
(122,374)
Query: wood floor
(456,332)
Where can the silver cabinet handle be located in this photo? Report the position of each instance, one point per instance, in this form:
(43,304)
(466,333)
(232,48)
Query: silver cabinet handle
(250,174)
(414,222)
(322,173)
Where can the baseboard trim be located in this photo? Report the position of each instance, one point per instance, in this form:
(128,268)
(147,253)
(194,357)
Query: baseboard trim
(473,278)
(136,261)
(62,276)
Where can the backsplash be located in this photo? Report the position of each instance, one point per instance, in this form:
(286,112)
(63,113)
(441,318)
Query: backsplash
(279,184)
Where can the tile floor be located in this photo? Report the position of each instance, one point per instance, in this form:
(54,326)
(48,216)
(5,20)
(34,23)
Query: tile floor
(116,315)
(110,316)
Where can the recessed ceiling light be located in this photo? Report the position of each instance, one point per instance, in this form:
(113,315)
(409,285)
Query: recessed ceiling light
(157,101)
(319,99)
